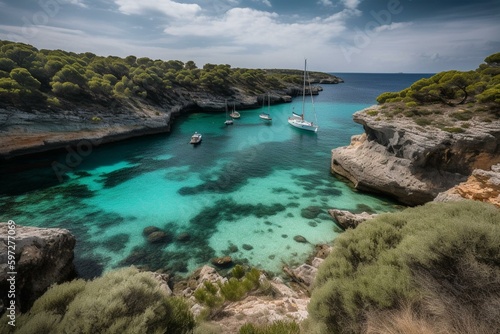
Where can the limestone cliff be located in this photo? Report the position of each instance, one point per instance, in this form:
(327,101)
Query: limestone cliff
(42,257)
(482,186)
(89,125)
(414,161)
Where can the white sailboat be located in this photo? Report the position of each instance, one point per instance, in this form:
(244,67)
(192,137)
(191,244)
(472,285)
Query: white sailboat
(265,115)
(234,113)
(228,121)
(299,121)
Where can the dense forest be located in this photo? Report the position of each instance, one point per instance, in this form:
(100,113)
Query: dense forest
(52,79)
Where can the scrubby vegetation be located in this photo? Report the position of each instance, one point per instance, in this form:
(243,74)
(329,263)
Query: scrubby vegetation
(278,327)
(429,269)
(235,288)
(51,79)
(453,87)
(123,301)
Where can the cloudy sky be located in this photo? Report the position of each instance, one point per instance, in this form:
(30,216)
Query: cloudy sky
(334,35)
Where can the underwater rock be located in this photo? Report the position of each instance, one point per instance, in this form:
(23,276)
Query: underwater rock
(300,238)
(184,236)
(150,229)
(222,262)
(311,212)
(232,248)
(247,247)
(158,237)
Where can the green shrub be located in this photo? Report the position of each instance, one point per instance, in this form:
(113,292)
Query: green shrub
(372,112)
(123,301)
(238,271)
(453,130)
(371,268)
(422,121)
(278,327)
(411,104)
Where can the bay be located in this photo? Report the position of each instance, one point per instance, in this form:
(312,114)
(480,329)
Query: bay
(246,191)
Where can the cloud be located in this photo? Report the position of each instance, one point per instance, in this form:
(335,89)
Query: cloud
(246,26)
(326,3)
(392,26)
(351,4)
(166,7)
(70,2)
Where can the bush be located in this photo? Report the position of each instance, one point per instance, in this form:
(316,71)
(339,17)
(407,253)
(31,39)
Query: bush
(377,266)
(278,327)
(123,301)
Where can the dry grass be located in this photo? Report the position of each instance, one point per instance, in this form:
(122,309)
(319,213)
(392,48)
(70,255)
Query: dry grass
(463,298)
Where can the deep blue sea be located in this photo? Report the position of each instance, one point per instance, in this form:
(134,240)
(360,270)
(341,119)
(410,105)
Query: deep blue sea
(246,191)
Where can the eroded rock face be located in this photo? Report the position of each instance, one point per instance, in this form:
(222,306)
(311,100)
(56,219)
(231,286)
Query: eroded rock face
(44,256)
(412,163)
(481,186)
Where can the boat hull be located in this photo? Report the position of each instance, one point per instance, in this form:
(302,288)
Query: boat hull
(303,125)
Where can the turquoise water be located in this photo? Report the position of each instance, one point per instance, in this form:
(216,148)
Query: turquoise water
(246,191)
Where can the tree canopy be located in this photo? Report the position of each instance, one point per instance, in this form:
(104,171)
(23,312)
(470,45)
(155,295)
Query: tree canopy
(454,87)
(30,77)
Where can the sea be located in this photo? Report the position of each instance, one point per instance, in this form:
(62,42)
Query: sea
(256,191)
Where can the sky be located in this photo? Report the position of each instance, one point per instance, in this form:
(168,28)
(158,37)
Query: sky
(370,36)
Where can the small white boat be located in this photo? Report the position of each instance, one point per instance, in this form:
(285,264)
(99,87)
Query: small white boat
(196,138)
(297,120)
(234,113)
(265,115)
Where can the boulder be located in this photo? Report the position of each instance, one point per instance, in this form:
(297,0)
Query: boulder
(347,219)
(43,256)
(222,262)
(305,274)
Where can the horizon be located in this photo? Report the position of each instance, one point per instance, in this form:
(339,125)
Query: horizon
(348,36)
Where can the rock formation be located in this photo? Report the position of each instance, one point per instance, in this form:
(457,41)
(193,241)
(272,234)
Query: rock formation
(481,186)
(44,256)
(347,219)
(413,163)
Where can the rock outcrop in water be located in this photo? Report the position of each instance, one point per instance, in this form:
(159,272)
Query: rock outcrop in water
(412,162)
(44,256)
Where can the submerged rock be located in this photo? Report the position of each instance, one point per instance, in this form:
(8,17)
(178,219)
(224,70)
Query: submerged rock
(150,229)
(158,237)
(300,239)
(43,256)
(247,247)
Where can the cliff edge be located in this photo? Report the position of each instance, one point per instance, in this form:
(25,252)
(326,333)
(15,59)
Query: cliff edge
(413,160)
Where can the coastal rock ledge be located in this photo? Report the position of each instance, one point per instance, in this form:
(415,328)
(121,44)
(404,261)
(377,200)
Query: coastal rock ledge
(412,163)
(43,256)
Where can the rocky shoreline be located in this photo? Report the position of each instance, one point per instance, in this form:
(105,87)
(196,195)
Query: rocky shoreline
(413,163)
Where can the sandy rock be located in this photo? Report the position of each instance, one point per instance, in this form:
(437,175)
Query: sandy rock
(347,219)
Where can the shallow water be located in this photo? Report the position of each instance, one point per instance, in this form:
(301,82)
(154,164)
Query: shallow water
(246,191)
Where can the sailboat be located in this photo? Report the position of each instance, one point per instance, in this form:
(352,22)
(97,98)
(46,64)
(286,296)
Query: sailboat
(297,120)
(234,113)
(228,121)
(267,116)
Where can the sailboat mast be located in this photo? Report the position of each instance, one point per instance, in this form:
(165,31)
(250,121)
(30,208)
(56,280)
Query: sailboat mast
(304,89)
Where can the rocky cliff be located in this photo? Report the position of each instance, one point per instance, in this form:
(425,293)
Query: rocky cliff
(42,257)
(412,160)
(482,185)
(90,125)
